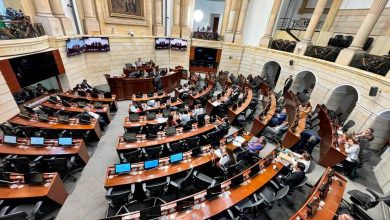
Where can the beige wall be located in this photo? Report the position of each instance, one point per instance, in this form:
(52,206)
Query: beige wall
(8,105)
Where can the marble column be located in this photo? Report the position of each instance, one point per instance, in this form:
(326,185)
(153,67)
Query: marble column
(176,18)
(311,28)
(240,22)
(58,12)
(364,31)
(158,28)
(44,15)
(225,18)
(187,17)
(229,34)
(266,39)
(91,24)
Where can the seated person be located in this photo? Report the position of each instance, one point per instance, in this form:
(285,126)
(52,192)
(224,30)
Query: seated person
(171,122)
(303,158)
(40,90)
(225,124)
(184,117)
(279,118)
(305,108)
(277,131)
(85,85)
(227,159)
(352,149)
(342,139)
(364,135)
(295,177)
(198,111)
(151,63)
(139,62)
(258,145)
(308,140)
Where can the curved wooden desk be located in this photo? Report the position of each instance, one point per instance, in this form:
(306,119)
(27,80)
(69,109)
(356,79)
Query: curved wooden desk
(111,101)
(209,104)
(233,114)
(260,124)
(193,98)
(124,88)
(331,201)
(104,112)
(160,107)
(54,125)
(51,148)
(146,98)
(122,145)
(54,189)
(329,154)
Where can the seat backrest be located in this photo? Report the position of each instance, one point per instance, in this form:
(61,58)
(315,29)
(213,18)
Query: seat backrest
(156,189)
(187,179)
(132,156)
(56,164)
(153,152)
(201,180)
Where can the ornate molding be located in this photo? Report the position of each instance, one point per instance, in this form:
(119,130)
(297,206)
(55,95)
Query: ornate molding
(23,46)
(127,21)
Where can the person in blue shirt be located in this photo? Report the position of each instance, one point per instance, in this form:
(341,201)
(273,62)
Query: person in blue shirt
(308,140)
(258,145)
(279,118)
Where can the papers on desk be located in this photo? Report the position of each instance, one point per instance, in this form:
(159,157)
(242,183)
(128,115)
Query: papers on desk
(133,108)
(161,120)
(216,103)
(236,143)
(96,116)
(239,139)
(218,153)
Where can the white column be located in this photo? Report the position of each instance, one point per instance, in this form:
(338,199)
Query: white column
(176,18)
(91,24)
(240,23)
(225,18)
(266,39)
(229,34)
(187,17)
(58,12)
(44,15)
(158,28)
(364,31)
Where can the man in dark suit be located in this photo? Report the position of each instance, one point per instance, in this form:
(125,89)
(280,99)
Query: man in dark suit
(287,84)
(308,140)
(295,177)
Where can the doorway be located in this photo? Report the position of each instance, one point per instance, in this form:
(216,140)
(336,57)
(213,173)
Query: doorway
(214,22)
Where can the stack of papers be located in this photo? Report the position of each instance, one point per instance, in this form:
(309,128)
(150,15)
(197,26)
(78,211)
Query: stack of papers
(239,139)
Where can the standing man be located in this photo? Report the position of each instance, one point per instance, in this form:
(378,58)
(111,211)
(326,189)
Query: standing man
(287,84)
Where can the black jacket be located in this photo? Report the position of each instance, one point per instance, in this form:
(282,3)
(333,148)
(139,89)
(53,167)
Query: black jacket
(293,179)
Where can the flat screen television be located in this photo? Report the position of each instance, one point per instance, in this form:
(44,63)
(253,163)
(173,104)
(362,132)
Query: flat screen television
(34,68)
(178,44)
(97,44)
(205,54)
(161,43)
(75,46)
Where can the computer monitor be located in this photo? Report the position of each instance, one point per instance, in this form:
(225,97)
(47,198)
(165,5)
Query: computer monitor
(170,131)
(33,178)
(236,181)
(150,213)
(184,204)
(254,170)
(63,118)
(201,120)
(151,115)
(37,140)
(196,151)
(122,168)
(175,158)
(5,176)
(134,117)
(166,112)
(9,139)
(215,144)
(65,141)
(150,164)
(213,191)
(151,102)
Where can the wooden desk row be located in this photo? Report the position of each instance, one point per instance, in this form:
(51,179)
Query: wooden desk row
(53,124)
(260,123)
(53,189)
(146,98)
(233,114)
(209,104)
(331,202)
(124,87)
(51,148)
(110,101)
(296,120)
(123,146)
(193,98)
(158,107)
(329,154)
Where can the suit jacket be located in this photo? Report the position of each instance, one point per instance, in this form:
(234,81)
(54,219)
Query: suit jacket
(287,84)
(293,179)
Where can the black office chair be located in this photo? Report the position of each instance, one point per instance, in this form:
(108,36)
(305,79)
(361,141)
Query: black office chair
(275,194)
(20,164)
(251,205)
(193,142)
(203,181)
(181,182)
(177,147)
(66,167)
(233,169)
(119,198)
(156,189)
(152,152)
(32,211)
(131,156)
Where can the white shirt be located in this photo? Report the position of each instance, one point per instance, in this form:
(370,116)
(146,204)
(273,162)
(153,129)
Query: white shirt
(184,118)
(352,152)
(198,111)
(139,63)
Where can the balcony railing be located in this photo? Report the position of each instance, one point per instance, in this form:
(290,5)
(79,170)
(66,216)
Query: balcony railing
(376,64)
(206,35)
(324,53)
(283,45)
(20,29)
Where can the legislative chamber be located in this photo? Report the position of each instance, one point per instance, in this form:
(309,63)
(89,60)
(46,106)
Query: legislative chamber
(194,109)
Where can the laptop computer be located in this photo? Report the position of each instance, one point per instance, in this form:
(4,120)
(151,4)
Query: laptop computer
(213,191)
(166,112)
(122,168)
(151,103)
(9,139)
(134,117)
(150,164)
(175,158)
(81,104)
(170,131)
(37,141)
(184,204)
(151,115)
(33,178)
(130,137)
(236,181)
(64,119)
(65,141)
